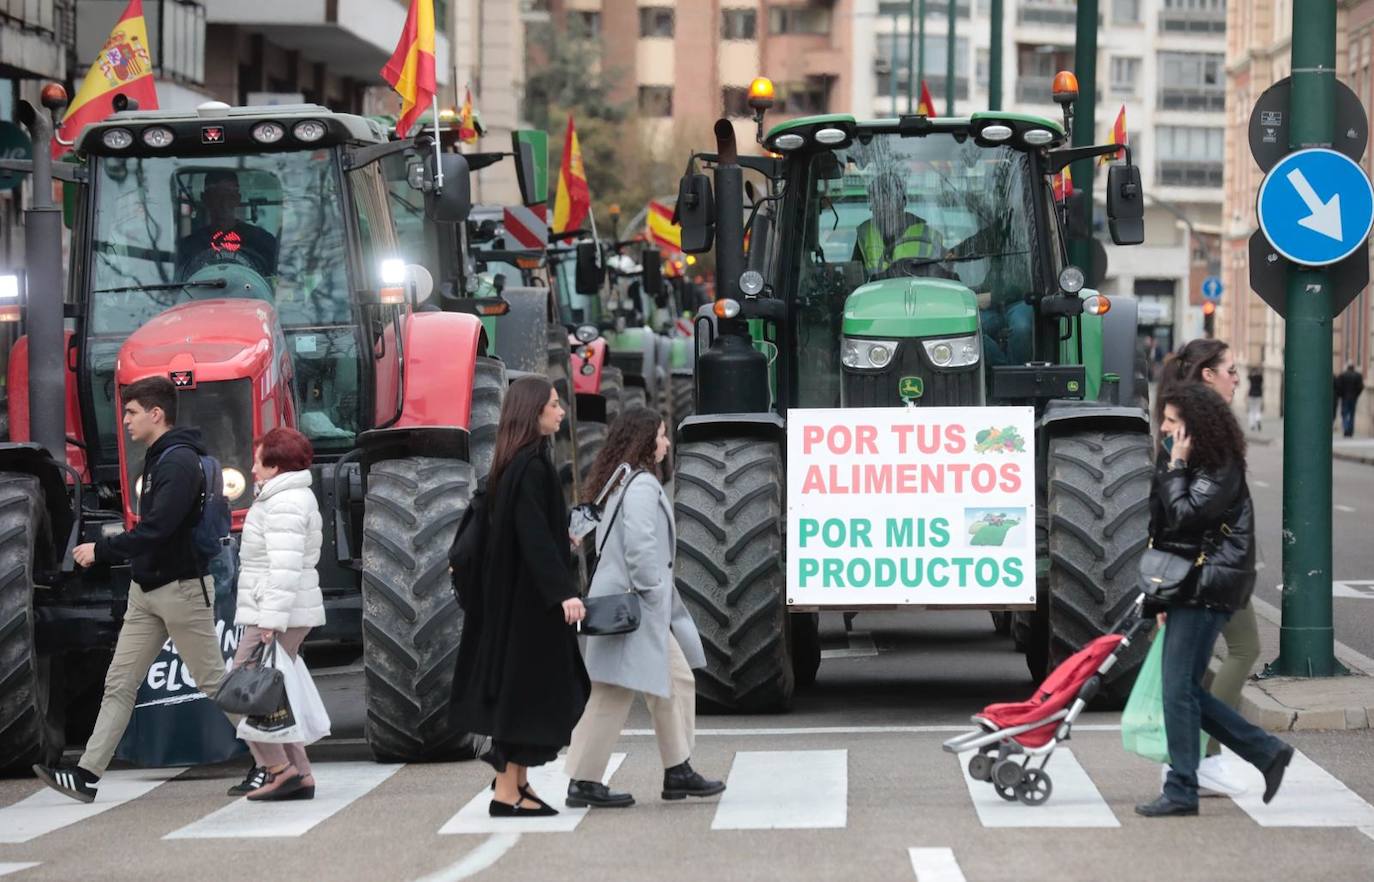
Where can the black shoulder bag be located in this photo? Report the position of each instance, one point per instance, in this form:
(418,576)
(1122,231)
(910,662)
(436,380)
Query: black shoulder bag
(611,614)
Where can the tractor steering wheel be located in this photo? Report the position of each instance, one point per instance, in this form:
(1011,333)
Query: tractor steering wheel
(244,256)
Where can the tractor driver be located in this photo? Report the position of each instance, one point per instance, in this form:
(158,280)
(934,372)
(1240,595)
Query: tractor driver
(892,233)
(223,235)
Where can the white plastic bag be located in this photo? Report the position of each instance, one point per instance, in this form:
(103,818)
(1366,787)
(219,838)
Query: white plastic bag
(311,721)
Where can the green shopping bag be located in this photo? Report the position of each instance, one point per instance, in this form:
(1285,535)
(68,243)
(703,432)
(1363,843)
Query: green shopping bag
(1142,722)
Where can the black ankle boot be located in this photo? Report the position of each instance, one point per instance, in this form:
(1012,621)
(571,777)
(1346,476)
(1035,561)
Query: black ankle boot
(682,781)
(597,795)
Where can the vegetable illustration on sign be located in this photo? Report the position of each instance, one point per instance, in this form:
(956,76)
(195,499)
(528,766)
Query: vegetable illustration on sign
(1004,440)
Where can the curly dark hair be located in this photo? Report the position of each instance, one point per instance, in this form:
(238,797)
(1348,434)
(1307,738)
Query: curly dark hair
(1216,435)
(633,439)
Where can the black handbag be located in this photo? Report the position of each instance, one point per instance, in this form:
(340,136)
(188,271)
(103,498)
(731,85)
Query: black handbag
(611,614)
(1167,577)
(255,688)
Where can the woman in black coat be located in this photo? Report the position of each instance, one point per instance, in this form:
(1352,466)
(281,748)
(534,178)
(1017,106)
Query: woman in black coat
(519,677)
(1200,510)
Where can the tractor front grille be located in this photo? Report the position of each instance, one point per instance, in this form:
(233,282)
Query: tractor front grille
(943,388)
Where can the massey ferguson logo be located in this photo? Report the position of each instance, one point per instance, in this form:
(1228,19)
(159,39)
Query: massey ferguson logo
(183,379)
(212,134)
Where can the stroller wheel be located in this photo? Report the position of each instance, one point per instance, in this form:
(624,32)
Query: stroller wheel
(1007,793)
(1035,787)
(980,767)
(1006,774)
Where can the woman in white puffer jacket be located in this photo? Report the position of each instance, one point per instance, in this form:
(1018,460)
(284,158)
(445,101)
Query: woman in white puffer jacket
(279,591)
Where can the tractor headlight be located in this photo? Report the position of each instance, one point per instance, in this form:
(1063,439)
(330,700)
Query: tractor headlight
(234,484)
(872,355)
(954,352)
(117,139)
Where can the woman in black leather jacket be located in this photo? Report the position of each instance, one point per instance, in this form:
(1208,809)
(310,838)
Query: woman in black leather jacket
(1200,509)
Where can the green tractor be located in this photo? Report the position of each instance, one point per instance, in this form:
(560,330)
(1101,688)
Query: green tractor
(911,261)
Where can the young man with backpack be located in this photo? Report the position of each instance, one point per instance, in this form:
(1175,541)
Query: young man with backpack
(181,503)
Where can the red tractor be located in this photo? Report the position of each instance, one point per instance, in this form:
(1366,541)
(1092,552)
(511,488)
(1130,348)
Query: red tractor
(250,255)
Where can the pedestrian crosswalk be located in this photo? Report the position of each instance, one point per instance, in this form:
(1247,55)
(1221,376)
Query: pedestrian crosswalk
(549,780)
(1075,801)
(785,790)
(48,810)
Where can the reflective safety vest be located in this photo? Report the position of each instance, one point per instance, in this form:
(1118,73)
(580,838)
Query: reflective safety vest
(916,242)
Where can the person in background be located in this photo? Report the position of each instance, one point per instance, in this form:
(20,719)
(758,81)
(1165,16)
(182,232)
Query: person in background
(637,541)
(1200,509)
(519,679)
(279,591)
(1211,363)
(1254,399)
(1348,386)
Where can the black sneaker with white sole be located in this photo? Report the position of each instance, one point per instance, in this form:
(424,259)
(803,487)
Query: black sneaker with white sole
(74,781)
(257,776)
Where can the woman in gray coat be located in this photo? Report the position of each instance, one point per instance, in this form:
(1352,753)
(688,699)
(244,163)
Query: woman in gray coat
(636,539)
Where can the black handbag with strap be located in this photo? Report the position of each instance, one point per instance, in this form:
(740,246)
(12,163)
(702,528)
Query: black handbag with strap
(1168,577)
(619,613)
(255,688)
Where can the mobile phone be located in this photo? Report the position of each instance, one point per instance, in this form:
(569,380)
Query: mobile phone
(1168,444)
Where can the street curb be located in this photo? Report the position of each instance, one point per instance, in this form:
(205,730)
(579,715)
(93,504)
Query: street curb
(1353,457)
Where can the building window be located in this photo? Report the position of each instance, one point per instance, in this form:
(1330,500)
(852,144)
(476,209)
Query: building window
(735,101)
(1048,12)
(1192,81)
(739,24)
(1193,17)
(934,8)
(892,65)
(1189,156)
(980,69)
(807,97)
(1126,11)
(1035,69)
(586,24)
(1125,76)
(655,101)
(798,20)
(655,21)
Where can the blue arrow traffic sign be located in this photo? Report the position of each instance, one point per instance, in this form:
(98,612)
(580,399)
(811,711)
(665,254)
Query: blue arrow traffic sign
(1211,288)
(1316,206)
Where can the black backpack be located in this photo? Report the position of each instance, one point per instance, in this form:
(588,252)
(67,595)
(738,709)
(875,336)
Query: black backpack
(465,555)
(213,522)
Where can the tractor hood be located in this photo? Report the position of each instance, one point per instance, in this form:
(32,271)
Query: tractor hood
(910,308)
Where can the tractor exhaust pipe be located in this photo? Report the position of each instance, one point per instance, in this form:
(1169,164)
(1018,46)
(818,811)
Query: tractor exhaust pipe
(43,265)
(729,212)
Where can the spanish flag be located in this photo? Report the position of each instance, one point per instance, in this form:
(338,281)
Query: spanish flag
(573,200)
(662,230)
(1116,136)
(411,68)
(1062,185)
(467,126)
(124,66)
(927,105)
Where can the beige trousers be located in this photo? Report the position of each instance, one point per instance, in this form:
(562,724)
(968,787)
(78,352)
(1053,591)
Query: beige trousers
(175,610)
(675,721)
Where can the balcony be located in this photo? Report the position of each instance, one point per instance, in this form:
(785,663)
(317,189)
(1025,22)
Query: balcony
(1188,173)
(1035,89)
(36,15)
(934,8)
(34,36)
(1193,21)
(1201,99)
(1042,12)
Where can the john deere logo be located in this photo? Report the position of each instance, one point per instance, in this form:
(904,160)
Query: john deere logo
(1073,385)
(911,387)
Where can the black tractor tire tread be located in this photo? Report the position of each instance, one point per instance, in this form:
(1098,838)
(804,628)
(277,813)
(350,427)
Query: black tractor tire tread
(684,398)
(1094,550)
(411,621)
(27,735)
(635,396)
(488,393)
(737,596)
(613,390)
(591,438)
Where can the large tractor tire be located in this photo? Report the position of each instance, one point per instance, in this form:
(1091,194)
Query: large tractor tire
(30,730)
(1099,514)
(613,390)
(591,437)
(636,396)
(684,403)
(411,621)
(488,391)
(728,500)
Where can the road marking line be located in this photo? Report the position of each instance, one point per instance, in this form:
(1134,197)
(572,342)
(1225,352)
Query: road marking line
(550,782)
(1074,800)
(338,786)
(1345,508)
(785,790)
(1311,797)
(6,869)
(861,645)
(1368,831)
(852,730)
(480,858)
(935,865)
(1264,484)
(47,810)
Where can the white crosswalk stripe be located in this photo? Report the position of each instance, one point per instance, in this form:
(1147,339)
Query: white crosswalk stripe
(7,869)
(1310,797)
(551,783)
(47,810)
(785,790)
(1074,802)
(935,865)
(338,785)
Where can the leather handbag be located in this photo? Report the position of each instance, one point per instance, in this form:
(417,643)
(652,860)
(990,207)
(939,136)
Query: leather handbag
(611,614)
(1167,577)
(255,688)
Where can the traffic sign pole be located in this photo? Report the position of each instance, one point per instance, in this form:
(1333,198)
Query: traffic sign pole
(1085,124)
(1306,638)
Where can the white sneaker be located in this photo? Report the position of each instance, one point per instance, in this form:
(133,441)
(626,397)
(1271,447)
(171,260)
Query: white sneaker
(1214,778)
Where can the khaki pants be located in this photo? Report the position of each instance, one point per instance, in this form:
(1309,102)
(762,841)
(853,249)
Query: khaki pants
(175,610)
(675,721)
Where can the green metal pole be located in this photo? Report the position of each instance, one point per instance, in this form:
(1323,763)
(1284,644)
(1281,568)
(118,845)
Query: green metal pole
(921,44)
(995,58)
(892,63)
(1306,638)
(949,59)
(911,56)
(1085,124)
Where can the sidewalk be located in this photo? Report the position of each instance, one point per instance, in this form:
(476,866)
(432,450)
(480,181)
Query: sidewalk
(1356,449)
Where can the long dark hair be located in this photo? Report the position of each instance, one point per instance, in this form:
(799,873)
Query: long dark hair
(1186,366)
(1217,439)
(519,427)
(633,439)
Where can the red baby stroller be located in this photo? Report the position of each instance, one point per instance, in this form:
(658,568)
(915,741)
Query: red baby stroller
(1035,727)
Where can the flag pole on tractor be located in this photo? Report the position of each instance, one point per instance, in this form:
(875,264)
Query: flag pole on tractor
(572,203)
(411,73)
(124,66)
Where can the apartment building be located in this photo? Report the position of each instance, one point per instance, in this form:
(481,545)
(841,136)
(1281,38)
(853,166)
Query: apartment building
(488,39)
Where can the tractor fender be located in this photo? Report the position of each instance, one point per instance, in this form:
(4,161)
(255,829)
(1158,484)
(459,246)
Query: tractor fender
(1068,415)
(523,341)
(707,427)
(1119,345)
(441,350)
(438,442)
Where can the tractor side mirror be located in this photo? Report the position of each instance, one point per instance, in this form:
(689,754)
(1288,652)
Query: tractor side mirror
(524,173)
(591,273)
(454,203)
(652,262)
(696,213)
(1125,205)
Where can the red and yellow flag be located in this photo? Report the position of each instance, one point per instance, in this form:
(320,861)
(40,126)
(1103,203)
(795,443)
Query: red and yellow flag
(662,230)
(1062,185)
(573,200)
(1116,136)
(411,68)
(124,66)
(927,105)
(467,127)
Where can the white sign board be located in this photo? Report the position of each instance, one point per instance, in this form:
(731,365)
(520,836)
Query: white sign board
(920,505)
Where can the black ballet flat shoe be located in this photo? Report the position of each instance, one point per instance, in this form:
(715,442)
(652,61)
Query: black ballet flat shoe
(526,792)
(498,809)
